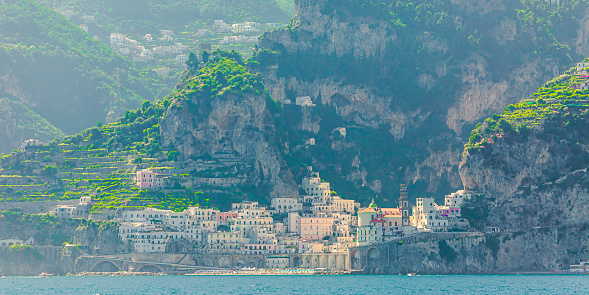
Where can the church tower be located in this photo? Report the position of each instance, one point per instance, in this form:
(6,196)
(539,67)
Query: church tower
(404,205)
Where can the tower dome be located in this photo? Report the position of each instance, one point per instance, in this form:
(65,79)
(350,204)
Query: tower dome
(373,205)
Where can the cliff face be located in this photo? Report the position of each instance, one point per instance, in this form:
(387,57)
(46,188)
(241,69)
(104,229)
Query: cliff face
(223,125)
(537,180)
(413,91)
(48,254)
(539,250)
(529,163)
(238,127)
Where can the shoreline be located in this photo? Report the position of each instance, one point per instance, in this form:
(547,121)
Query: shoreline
(287,273)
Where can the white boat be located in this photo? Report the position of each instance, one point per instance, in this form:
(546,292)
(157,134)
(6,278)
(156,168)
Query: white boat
(44,274)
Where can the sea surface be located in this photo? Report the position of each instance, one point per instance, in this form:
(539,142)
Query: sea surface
(456,284)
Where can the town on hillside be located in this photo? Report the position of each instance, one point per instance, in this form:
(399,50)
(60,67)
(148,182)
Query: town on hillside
(167,51)
(318,223)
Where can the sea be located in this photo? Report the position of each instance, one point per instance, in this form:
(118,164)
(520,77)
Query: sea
(423,284)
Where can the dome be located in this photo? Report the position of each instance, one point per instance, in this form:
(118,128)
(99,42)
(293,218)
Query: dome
(372,205)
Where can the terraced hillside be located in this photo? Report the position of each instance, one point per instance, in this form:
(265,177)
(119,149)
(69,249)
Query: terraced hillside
(530,162)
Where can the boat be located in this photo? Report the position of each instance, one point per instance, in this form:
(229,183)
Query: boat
(411,274)
(44,274)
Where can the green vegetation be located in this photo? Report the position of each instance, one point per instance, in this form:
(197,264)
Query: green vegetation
(556,105)
(138,17)
(28,124)
(223,74)
(75,76)
(435,47)
(99,161)
(286,5)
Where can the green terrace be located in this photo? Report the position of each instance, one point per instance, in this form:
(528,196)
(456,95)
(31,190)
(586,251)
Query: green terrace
(559,100)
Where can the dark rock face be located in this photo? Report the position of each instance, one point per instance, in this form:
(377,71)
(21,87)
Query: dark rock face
(530,250)
(534,180)
(405,121)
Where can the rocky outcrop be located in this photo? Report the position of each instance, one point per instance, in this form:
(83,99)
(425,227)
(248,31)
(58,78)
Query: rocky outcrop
(533,250)
(446,89)
(239,126)
(534,180)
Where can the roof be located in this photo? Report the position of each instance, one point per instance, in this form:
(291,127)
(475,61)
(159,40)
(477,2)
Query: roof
(379,221)
(391,211)
(367,210)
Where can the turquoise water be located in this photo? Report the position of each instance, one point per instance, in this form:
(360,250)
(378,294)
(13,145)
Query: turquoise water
(467,284)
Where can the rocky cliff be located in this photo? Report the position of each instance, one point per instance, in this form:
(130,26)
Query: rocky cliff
(48,237)
(537,250)
(406,86)
(235,126)
(530,162)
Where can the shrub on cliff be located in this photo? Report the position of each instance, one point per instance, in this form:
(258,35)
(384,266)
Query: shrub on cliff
(446,251)
(23,252)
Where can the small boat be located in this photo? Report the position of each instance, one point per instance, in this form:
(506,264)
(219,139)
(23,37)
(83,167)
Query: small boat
(411,274)
(44,274)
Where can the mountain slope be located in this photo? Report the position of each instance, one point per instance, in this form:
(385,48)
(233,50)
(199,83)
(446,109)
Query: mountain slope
(63,74)
(19,123)
(137,17)
(408,80)
(530,163)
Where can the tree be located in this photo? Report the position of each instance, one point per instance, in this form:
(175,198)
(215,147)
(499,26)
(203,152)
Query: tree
(49,170)
(145,105)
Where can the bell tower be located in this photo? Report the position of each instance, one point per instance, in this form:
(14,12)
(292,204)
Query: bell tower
(404,205)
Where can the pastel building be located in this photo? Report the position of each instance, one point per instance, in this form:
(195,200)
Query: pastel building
(149,179)
(313,228)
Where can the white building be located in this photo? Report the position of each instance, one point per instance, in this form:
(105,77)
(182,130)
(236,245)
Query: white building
(84,27)
(277,262)
(582,65)
(116,39)
(282,205)
(316,188)
(224,241)
(305,101)
(237,28)
(427,216)
(182,58)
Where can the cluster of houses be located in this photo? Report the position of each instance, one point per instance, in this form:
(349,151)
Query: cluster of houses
(126,46)
(318,222)
(246,27)
(238,40)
